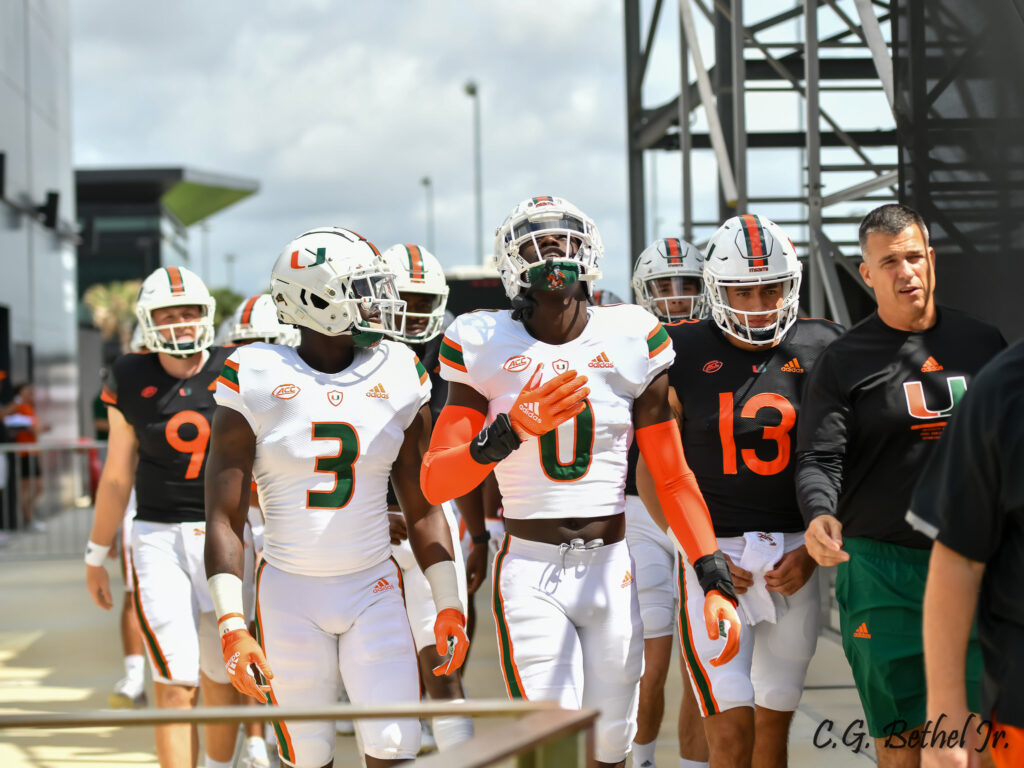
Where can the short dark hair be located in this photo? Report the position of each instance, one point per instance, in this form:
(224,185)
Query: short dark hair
(890,219)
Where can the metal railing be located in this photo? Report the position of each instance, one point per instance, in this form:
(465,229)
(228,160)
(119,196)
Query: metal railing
(543,735)
(46,494)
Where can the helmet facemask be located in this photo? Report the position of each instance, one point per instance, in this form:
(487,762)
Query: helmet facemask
(418,327)
(531,224)
(180,339)
(673,297)
(740,323)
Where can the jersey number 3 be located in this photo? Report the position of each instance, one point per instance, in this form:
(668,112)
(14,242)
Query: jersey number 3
(338,464)
(778,433)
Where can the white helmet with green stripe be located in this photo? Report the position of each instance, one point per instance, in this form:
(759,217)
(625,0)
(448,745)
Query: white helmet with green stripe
(422,286)
(172,287)
(746,253)
(668,280)
(333,281)
(530,221)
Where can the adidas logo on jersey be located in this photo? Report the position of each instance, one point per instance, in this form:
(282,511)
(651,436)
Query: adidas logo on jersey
(862,631)
(532,410)
(793,366)
(626,580)
(601,361)
(378,391)
(382,585)
(930,365)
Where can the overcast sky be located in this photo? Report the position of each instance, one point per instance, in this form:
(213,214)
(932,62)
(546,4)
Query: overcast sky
(338,109)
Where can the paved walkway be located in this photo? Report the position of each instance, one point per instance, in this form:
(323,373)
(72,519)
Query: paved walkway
(59,653)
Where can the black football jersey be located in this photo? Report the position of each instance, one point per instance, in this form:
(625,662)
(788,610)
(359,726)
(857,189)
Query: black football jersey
(171,418)
(740,410)
(880,398)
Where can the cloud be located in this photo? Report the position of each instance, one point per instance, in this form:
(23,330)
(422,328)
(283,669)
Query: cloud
(339,109)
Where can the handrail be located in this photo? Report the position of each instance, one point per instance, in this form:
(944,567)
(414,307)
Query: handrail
(534,731)
(207,715)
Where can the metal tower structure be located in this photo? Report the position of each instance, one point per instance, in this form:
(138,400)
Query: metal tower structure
(736,64)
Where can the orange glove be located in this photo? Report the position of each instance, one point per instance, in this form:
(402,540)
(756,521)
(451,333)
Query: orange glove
(719,608)
(538,410)
(240,650)
(450,635)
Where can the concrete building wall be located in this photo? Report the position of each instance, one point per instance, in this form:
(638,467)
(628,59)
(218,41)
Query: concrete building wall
(37,265)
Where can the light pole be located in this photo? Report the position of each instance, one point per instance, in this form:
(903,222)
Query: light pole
(428,185)
(229,259)
(471,91)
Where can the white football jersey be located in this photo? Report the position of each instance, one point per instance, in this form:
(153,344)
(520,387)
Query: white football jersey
(325,444)
(579,469)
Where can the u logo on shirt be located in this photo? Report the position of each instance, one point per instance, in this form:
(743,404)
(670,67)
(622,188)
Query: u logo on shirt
(919,409)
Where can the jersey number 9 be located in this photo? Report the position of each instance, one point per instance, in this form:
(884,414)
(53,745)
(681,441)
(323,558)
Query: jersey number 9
(195,446)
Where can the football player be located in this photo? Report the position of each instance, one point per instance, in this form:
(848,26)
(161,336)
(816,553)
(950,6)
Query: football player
(320,427)
(420,281)
(160,405)
(739,389)
(668,282)
(565,602)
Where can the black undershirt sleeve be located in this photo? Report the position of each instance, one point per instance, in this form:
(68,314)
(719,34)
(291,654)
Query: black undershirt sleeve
(819,477)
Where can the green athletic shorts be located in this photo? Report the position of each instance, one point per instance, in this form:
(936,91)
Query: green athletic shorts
(880,593)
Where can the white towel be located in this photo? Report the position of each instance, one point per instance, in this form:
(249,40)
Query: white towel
(761,552)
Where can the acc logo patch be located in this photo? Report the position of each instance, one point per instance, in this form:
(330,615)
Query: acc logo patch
(711,366)
(334,397)
(149,391)
(517,363)
(285,391)
(560,366)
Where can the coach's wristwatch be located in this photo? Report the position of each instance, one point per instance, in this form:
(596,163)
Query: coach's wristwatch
(495,441)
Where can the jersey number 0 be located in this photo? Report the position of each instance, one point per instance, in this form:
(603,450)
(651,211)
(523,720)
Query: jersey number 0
(582,448)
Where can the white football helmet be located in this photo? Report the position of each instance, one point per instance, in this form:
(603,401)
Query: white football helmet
(334,281)
(529,221)
(660,278)
(417,270)
(175,287)
(747,251)
(255,319)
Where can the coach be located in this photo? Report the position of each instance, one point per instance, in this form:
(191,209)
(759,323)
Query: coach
(874,408)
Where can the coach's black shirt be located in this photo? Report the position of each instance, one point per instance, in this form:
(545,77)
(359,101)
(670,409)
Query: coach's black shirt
(874,409)
(971,498)
(171,418)
(739,411)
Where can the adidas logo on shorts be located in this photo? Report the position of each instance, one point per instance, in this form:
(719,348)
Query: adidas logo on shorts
(862,631)
(382,585)
(626,580)
(378,391)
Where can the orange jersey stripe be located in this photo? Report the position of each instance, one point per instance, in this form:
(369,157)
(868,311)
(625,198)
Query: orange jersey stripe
(228,383)
(231,364)
(108,397)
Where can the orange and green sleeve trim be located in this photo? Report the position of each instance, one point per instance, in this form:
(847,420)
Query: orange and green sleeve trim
(451,354)
(421,371)
(657,340)
(229,375)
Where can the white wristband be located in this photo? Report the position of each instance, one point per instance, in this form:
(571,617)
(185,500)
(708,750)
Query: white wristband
(444,586)
(226,591)
(95,554)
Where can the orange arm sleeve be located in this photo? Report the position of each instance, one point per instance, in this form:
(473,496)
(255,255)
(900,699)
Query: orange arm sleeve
(448,471)
(685,510)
